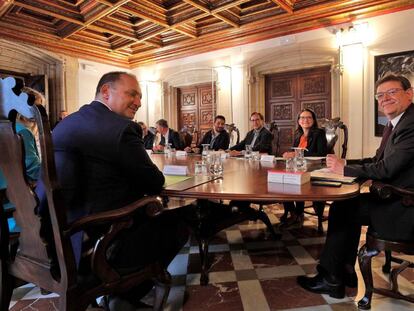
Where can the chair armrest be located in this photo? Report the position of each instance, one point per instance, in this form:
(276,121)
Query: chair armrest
(152,204)
(387,191)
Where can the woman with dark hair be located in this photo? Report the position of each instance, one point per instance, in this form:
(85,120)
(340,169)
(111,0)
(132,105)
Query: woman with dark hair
(309,136)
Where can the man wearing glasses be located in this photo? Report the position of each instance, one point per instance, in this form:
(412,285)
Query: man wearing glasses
(259,137)
(393,164)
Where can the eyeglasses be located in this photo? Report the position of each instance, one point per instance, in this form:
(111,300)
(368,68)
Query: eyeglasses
(254,120)
(305,118)
(391,92)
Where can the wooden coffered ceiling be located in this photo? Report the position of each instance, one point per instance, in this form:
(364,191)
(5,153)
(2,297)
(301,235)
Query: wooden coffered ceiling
(129,33)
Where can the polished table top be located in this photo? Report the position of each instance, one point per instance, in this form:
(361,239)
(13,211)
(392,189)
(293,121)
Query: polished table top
(247,180)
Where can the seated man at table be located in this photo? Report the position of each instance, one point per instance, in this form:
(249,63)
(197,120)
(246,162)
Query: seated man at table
(217,138)
(147,136)
(102,165)
(393,163)
(168,136)
(259,138)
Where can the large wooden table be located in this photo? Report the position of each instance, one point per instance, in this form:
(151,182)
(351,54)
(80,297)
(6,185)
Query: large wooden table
(247,180)
(243,181)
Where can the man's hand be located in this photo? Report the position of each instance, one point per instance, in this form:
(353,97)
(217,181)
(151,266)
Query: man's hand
(187,149)
(235,153)
(289,154)
(158,148)
(335,164)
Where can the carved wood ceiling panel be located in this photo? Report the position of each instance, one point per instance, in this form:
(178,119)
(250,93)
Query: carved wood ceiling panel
(129,33)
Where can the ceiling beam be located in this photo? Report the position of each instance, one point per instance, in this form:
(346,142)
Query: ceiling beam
(202,7)
(285,5)
(4,6)
(68,31)
(43,8)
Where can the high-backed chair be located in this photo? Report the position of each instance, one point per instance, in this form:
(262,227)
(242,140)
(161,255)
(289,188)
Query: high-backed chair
(234,134)
(186,136)
(332,128)
(46,253)
(375,244)
(273,128)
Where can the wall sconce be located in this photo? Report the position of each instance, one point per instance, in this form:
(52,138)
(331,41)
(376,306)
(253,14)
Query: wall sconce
(352,34)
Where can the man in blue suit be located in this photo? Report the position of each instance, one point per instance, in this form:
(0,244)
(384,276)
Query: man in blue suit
(102,165)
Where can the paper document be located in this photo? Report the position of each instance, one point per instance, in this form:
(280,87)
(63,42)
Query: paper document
(326,174)
(179,170)
(315,158)
(171,180)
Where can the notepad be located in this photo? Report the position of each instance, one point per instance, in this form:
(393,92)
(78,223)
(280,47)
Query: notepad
(267,158)
(178,170)
(180,153)
(326,174)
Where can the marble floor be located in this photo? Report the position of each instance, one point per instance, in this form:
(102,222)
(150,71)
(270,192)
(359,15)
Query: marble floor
(249,271)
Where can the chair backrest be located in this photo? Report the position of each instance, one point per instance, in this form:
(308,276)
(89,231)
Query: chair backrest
(45,259)
(188,136)
(332,127)
(273,128)
(234,134)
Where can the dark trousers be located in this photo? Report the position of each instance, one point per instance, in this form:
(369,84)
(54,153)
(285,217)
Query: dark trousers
(299,206)
(344,229)
(157,239)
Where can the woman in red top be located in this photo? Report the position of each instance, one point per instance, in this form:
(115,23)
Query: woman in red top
(308,135)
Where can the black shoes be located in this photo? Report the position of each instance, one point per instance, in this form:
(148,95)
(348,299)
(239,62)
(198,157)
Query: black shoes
(321,285)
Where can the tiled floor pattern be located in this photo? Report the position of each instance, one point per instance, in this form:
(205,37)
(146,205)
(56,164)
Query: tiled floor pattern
(249,271)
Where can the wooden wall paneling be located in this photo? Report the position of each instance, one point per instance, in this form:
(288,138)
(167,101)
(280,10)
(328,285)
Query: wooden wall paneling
(288,93)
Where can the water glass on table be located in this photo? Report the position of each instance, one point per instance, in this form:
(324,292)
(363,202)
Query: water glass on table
(255,155)
(216,166)
(248,151)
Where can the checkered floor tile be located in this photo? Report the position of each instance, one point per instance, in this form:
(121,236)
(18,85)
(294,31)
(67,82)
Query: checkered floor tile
(250,271)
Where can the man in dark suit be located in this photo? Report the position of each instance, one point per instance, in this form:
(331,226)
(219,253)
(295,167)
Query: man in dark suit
(217,138)
(393,164)
(168,136)
(148,137)
(259,137)
(102,165)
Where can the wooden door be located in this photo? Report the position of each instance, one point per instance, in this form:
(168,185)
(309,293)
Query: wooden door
(288,93)
(195,109)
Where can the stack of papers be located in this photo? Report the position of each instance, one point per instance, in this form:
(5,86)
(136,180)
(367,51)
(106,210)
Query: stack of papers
(284,177)
(325,174)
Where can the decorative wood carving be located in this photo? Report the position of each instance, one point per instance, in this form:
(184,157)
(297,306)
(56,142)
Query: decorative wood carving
(195,108)
(310,88)
(130,33)
(282,112)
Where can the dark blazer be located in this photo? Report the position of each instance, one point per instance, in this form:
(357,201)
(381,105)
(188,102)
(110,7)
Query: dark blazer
(101,162)
(317,144)
(222,141)
(263,143)
(149,140)
(174,139)
(391,219)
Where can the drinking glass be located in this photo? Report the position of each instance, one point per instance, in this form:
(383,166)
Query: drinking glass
(300,161)
(206,149)
(256,155)
(290,164)
(199,168)
(248,152)
(167,150)
(216,167)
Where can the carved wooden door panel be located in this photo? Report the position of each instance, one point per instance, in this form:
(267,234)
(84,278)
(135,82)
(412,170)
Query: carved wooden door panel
(195,109)
(288,93)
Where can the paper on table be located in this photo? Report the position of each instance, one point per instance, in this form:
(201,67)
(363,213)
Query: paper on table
(326,174)
(315,158)
(180,153)
(171,180)
(267,158)
(179,170)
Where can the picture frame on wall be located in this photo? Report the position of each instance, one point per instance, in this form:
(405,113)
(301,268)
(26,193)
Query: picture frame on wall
(401,63)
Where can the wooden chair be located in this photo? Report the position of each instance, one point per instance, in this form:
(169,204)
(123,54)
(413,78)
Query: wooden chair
(273,128)
(375,244)
(45,255)
(332,128)
(234,134)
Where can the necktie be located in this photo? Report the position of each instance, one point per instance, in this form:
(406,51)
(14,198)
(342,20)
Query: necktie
(162,141)
(385,135)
